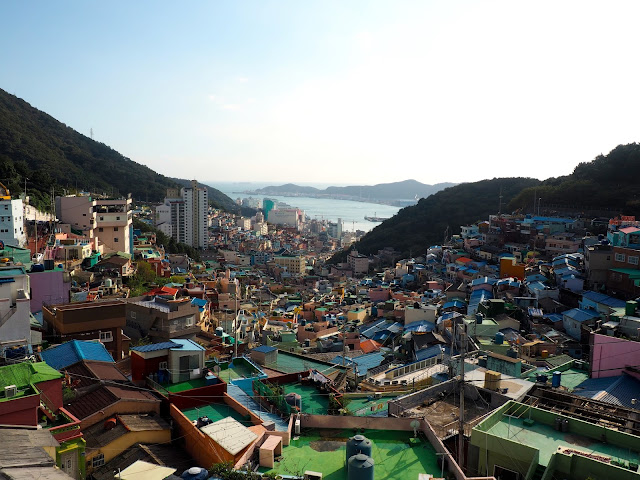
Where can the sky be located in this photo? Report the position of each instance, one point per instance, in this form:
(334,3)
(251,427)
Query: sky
(334,92)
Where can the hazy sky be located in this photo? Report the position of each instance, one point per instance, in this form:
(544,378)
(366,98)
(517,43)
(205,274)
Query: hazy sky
(334,91)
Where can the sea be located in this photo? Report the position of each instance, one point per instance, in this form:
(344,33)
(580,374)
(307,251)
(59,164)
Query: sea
(352,213)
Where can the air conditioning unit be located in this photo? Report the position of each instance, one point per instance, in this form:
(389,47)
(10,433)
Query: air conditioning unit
(10,391)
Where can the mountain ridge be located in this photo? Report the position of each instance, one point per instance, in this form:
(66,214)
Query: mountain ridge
(39,149)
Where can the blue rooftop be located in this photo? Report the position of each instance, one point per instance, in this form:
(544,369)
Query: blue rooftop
(69,353)
(186,345)
(362,363)
(621,390)
(580,315)
(604,299)
(264,349)
(153,347)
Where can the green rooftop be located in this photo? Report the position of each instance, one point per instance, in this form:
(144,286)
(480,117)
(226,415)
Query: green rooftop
(394,457)
(187,385)
(288,363)
(215,412)
(24,374)
(312,400)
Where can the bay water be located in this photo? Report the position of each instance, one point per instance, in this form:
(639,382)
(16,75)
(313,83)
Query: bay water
(351,212)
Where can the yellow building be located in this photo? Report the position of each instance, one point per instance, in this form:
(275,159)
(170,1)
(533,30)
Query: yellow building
(293,264)
(106,440)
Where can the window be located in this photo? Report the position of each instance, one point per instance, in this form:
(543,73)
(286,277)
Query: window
(620,257)
(101,219)
(163,365)
(194,362)
(115,239)
(84,214)
(115,229)
(189,322)
(117,218)
(633,260)
(133,314)
(100,229)
(98,460)
(106,337)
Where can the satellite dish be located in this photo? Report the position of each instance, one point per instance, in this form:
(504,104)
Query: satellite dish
(415,424)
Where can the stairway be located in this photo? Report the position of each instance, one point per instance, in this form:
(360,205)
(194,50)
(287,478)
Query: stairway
(249,403)
(537,475)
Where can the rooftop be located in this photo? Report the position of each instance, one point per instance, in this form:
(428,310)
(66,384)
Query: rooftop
(288,363)
(508,424)
(326,453)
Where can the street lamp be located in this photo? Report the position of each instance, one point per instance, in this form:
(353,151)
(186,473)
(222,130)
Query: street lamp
(539,200)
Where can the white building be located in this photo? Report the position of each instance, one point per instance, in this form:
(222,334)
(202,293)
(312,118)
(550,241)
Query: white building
(196,215)
(12,223)
(288,217)
(15,307)
(184,215)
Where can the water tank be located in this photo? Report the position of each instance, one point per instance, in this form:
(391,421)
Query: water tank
(307,342)
(557,425)
(478,318)
(499,338)
(219,331)
(293,399)
(512,353)
(482,361)
(545,353)
(555,380)
(358,444)
(360,467)
(108,283)
(541,378)
(565,425)
(195,473)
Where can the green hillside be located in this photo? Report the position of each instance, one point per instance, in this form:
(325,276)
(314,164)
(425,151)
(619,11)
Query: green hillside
(608,183)
(416,227)
(37,147)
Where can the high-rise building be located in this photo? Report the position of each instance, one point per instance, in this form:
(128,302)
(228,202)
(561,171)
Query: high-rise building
(196,215)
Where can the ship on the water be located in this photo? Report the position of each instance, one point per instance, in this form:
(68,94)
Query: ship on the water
(375,218)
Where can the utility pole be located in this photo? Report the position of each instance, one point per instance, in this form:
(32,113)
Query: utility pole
(463,347)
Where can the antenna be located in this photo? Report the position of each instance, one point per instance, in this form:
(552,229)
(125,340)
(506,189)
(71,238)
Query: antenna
(500,204)
(91,133)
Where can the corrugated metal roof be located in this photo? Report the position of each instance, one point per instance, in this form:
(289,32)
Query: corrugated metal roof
(604,299)
(68,353)
(264,349)
(187,345)
(580,315)
(152,347)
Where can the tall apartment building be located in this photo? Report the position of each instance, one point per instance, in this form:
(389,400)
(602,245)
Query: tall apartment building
(185,216)
(110,220)
(12,223)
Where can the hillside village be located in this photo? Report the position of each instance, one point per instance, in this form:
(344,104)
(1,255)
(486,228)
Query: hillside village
(511,351)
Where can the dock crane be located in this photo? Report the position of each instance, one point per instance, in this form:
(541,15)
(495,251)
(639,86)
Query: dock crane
(7,195)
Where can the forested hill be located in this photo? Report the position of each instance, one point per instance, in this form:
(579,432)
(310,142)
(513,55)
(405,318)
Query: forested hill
(382,192)
(609,182)
(37,147)
(416,227)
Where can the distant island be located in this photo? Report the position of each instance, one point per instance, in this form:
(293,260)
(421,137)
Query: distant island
(400,194)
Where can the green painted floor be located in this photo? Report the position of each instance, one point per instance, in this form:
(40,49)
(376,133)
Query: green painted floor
(215,412)
(188,385)
(393,456)
(547,440)
(292,364)
(313,401)
(361,407)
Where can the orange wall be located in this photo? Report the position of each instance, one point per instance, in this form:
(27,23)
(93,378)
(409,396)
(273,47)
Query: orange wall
(509,267)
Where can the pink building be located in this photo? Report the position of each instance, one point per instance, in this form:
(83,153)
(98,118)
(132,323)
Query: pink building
(611,355)
(379,294)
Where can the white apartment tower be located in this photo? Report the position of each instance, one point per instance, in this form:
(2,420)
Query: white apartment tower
(12,223)
(196,216)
